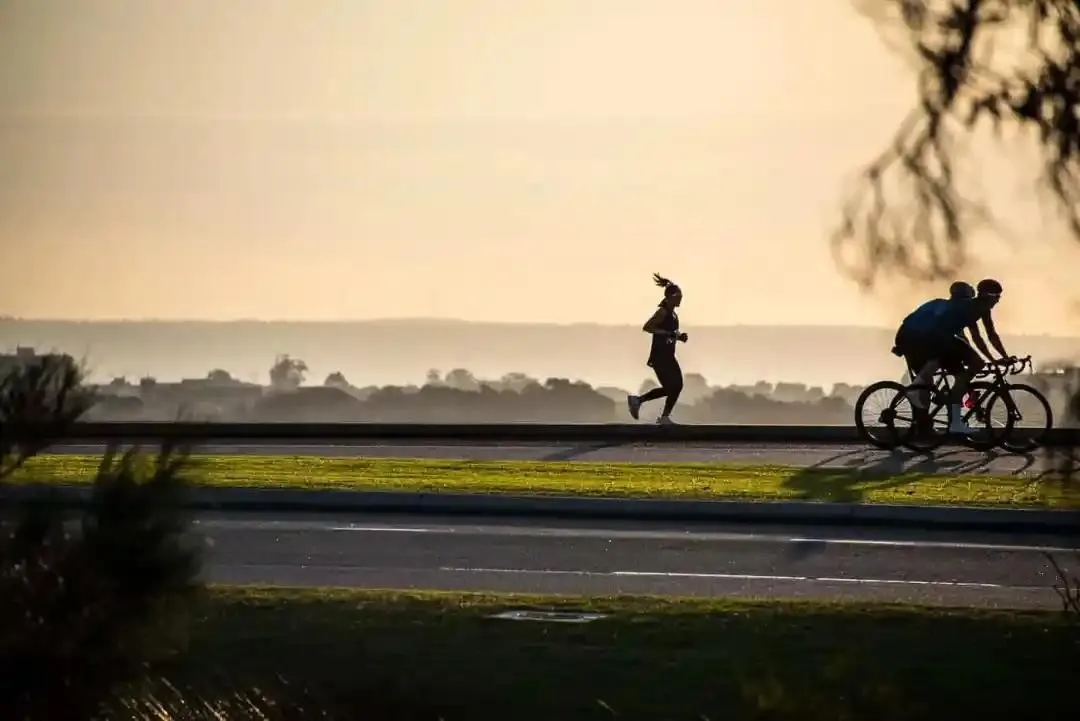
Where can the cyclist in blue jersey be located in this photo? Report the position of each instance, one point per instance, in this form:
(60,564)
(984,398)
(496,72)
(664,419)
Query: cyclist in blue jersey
(932,336)
(911,337)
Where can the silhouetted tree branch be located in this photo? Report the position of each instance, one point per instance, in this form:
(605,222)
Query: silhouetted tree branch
(39,402)
(906,213)
(88,599)
(1068,588)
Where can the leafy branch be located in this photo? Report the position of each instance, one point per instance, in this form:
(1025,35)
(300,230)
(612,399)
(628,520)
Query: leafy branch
(905,213)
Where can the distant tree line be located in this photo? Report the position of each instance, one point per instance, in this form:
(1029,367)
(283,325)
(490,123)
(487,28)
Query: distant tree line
(460,396)
(456,396)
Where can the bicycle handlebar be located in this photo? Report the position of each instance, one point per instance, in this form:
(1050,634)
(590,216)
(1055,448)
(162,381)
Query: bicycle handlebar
(1012,366)
(1022,364)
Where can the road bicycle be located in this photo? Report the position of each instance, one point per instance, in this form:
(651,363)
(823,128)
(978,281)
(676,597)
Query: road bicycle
(893,418)
(1012,416)
(996,409)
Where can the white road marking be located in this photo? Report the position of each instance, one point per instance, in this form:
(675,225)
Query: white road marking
(957,545)
(377,529)
(740,577)
(621,534)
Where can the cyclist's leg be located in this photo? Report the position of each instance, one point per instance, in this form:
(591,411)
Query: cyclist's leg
(963,362)
(925,377)
(920,360)
(967,363)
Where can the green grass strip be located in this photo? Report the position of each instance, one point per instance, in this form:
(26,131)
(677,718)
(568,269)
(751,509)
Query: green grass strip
(636,480)
(650,659)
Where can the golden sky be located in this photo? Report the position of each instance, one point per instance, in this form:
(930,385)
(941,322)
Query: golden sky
(533,160)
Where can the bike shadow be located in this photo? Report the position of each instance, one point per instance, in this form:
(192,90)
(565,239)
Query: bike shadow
(848,476)
(577,451)
(1062,464)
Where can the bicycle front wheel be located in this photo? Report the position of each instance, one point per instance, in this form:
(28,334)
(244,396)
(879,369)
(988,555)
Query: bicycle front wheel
(1029,412)
(992,425)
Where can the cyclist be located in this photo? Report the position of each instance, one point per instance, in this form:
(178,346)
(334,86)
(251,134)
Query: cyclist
(919,343)
(957,319)
(936,332)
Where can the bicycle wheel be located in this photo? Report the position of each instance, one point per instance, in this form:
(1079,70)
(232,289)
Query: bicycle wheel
(935,427)
(991,426)
(1029,412)
(875,415)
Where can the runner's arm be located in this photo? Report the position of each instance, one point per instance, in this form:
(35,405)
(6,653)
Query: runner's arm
(652,325)
(992,335)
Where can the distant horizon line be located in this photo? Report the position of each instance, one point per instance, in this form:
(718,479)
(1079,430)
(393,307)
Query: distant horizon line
(443,321)
(403,319)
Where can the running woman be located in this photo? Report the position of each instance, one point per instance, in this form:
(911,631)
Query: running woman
(664,328)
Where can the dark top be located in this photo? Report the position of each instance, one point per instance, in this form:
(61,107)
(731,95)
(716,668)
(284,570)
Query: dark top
(958,314)
(663,347)
(923,319)
(944,318)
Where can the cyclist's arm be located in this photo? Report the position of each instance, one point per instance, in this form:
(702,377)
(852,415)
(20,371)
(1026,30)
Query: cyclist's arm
(977,339)
(992,335)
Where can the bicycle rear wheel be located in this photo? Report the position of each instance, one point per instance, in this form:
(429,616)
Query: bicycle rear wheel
(1029,413)
(928,436)
(876,415)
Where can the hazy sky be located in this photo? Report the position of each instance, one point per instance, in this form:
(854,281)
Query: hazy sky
(530,160)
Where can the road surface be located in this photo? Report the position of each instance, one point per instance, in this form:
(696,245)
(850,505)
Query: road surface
(951,460)
(633,558)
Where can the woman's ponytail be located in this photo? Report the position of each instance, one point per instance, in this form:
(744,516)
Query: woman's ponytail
(670,288)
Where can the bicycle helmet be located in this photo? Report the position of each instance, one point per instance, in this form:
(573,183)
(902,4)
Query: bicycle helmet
(961,289)
(989,286)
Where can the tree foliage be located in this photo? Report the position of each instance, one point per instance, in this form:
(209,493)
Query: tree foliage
(336,379)
(287,373)
(1005,64)
(88,597)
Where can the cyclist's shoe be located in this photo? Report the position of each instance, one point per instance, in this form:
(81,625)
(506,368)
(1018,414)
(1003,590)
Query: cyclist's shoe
(665,421)
(633,404)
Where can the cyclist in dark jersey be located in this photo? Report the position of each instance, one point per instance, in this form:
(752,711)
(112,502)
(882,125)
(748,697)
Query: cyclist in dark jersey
(918,343)
(934,335)
(664,328)
(910,341)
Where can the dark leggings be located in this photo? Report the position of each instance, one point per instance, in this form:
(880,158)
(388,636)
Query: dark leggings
(669,376)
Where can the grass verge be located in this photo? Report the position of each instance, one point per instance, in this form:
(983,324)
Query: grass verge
(687,481)
(649,659)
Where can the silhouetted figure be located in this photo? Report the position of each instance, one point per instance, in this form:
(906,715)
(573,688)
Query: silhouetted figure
(664,328)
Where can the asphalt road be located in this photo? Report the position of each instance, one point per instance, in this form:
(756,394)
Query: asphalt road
(947,460)
(568,557)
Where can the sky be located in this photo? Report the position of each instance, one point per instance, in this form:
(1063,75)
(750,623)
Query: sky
(534,160)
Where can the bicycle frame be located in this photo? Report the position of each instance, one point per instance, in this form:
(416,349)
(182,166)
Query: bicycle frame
(940,388)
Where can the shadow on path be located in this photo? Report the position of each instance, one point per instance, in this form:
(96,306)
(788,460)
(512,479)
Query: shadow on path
(847,477)
(569,454)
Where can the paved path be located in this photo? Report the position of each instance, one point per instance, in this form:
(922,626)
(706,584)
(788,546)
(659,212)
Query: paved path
(634,558)
(946,460)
